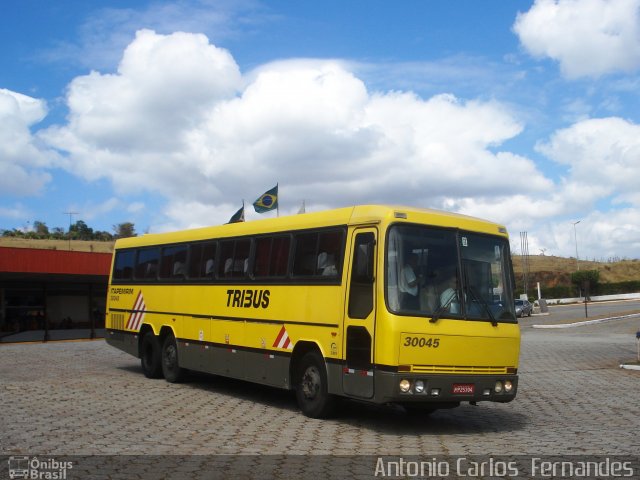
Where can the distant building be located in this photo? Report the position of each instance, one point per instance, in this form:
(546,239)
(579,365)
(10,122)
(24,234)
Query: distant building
(52,294)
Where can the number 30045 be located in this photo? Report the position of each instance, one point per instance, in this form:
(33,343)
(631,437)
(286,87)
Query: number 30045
(421,342)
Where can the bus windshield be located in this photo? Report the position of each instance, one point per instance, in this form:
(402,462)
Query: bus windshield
(437,272)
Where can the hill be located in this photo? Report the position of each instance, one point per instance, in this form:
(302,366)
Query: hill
(74,245)
(610,272)
(554,276)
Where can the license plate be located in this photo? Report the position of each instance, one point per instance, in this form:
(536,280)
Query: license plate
(463,389)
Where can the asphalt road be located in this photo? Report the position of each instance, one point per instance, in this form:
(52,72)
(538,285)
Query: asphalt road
(576,312)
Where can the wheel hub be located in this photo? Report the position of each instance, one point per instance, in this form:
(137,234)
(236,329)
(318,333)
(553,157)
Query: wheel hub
(311,382)
(170,355)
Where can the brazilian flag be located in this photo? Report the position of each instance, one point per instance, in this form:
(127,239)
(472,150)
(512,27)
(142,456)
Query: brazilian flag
(268,201)
(238,216)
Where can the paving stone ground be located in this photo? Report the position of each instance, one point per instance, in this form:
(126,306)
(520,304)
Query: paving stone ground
(87,398)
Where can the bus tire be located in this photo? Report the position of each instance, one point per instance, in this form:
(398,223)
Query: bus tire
(171,369)
(150,356)
(312,388)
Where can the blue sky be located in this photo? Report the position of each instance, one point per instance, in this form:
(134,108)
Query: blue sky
(169,114)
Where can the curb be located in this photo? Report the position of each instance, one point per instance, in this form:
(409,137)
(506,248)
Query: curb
(630,367)
(587,322)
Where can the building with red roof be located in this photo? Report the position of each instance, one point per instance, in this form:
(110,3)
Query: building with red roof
(52,294)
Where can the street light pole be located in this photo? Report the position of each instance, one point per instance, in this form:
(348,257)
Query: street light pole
(575,236)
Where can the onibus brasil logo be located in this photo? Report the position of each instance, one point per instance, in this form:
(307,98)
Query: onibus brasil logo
(38,468)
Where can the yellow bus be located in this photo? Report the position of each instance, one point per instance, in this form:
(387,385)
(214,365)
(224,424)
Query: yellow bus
(376,303)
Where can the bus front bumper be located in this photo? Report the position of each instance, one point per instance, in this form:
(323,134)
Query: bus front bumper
(443,388)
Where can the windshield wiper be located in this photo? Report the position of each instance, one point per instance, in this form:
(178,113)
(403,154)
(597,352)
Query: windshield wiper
(436,315)
(478,298)
(441,309)
(482,302)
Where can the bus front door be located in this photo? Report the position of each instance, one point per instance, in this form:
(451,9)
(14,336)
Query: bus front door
(359,324)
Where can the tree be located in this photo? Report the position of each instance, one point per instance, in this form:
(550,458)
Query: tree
(102,236)
(40,229)
(124,230)
(586,279)
(13,233)
(81,231)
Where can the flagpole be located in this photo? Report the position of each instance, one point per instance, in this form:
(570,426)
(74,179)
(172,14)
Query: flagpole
(278,200)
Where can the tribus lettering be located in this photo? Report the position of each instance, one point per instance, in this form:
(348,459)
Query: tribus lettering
(248,298)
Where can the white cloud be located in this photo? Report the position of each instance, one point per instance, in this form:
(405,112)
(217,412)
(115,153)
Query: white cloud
(193,214)
(587,37)
(131,126)
(602,154)
(600,188)
(22,158)
(600,235)
(178,119)
(602,157)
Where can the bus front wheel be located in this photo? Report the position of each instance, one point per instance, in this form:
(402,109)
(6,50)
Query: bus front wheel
(311,387)
(150,356)
(171,370)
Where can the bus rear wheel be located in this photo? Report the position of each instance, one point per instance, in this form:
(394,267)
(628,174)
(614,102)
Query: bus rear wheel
(311,387)
(171,369)
(150,356)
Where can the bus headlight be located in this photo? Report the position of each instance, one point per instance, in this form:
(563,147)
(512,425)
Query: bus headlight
(405,385)
(498,387)
(419,386)
(508,386)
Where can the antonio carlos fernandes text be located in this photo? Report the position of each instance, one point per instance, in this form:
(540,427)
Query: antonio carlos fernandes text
(538,468)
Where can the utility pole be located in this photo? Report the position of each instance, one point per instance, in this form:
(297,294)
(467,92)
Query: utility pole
(575,236)
(524,245)
(71,214)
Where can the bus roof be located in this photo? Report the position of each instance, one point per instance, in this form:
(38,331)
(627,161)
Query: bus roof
(355,215)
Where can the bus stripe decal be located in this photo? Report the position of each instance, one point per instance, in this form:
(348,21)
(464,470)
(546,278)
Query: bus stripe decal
(282,340)
(137,314)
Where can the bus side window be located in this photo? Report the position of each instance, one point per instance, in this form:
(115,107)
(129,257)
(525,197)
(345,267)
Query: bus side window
(362,276)
(208,260)
(305,260)
(271,257)
(234,258)
(202,260)
(172,261)
(279,256)
(318,254)
(241,258)
(123,265)
(262,257)
(147,263)
(226,259)
(329,248)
